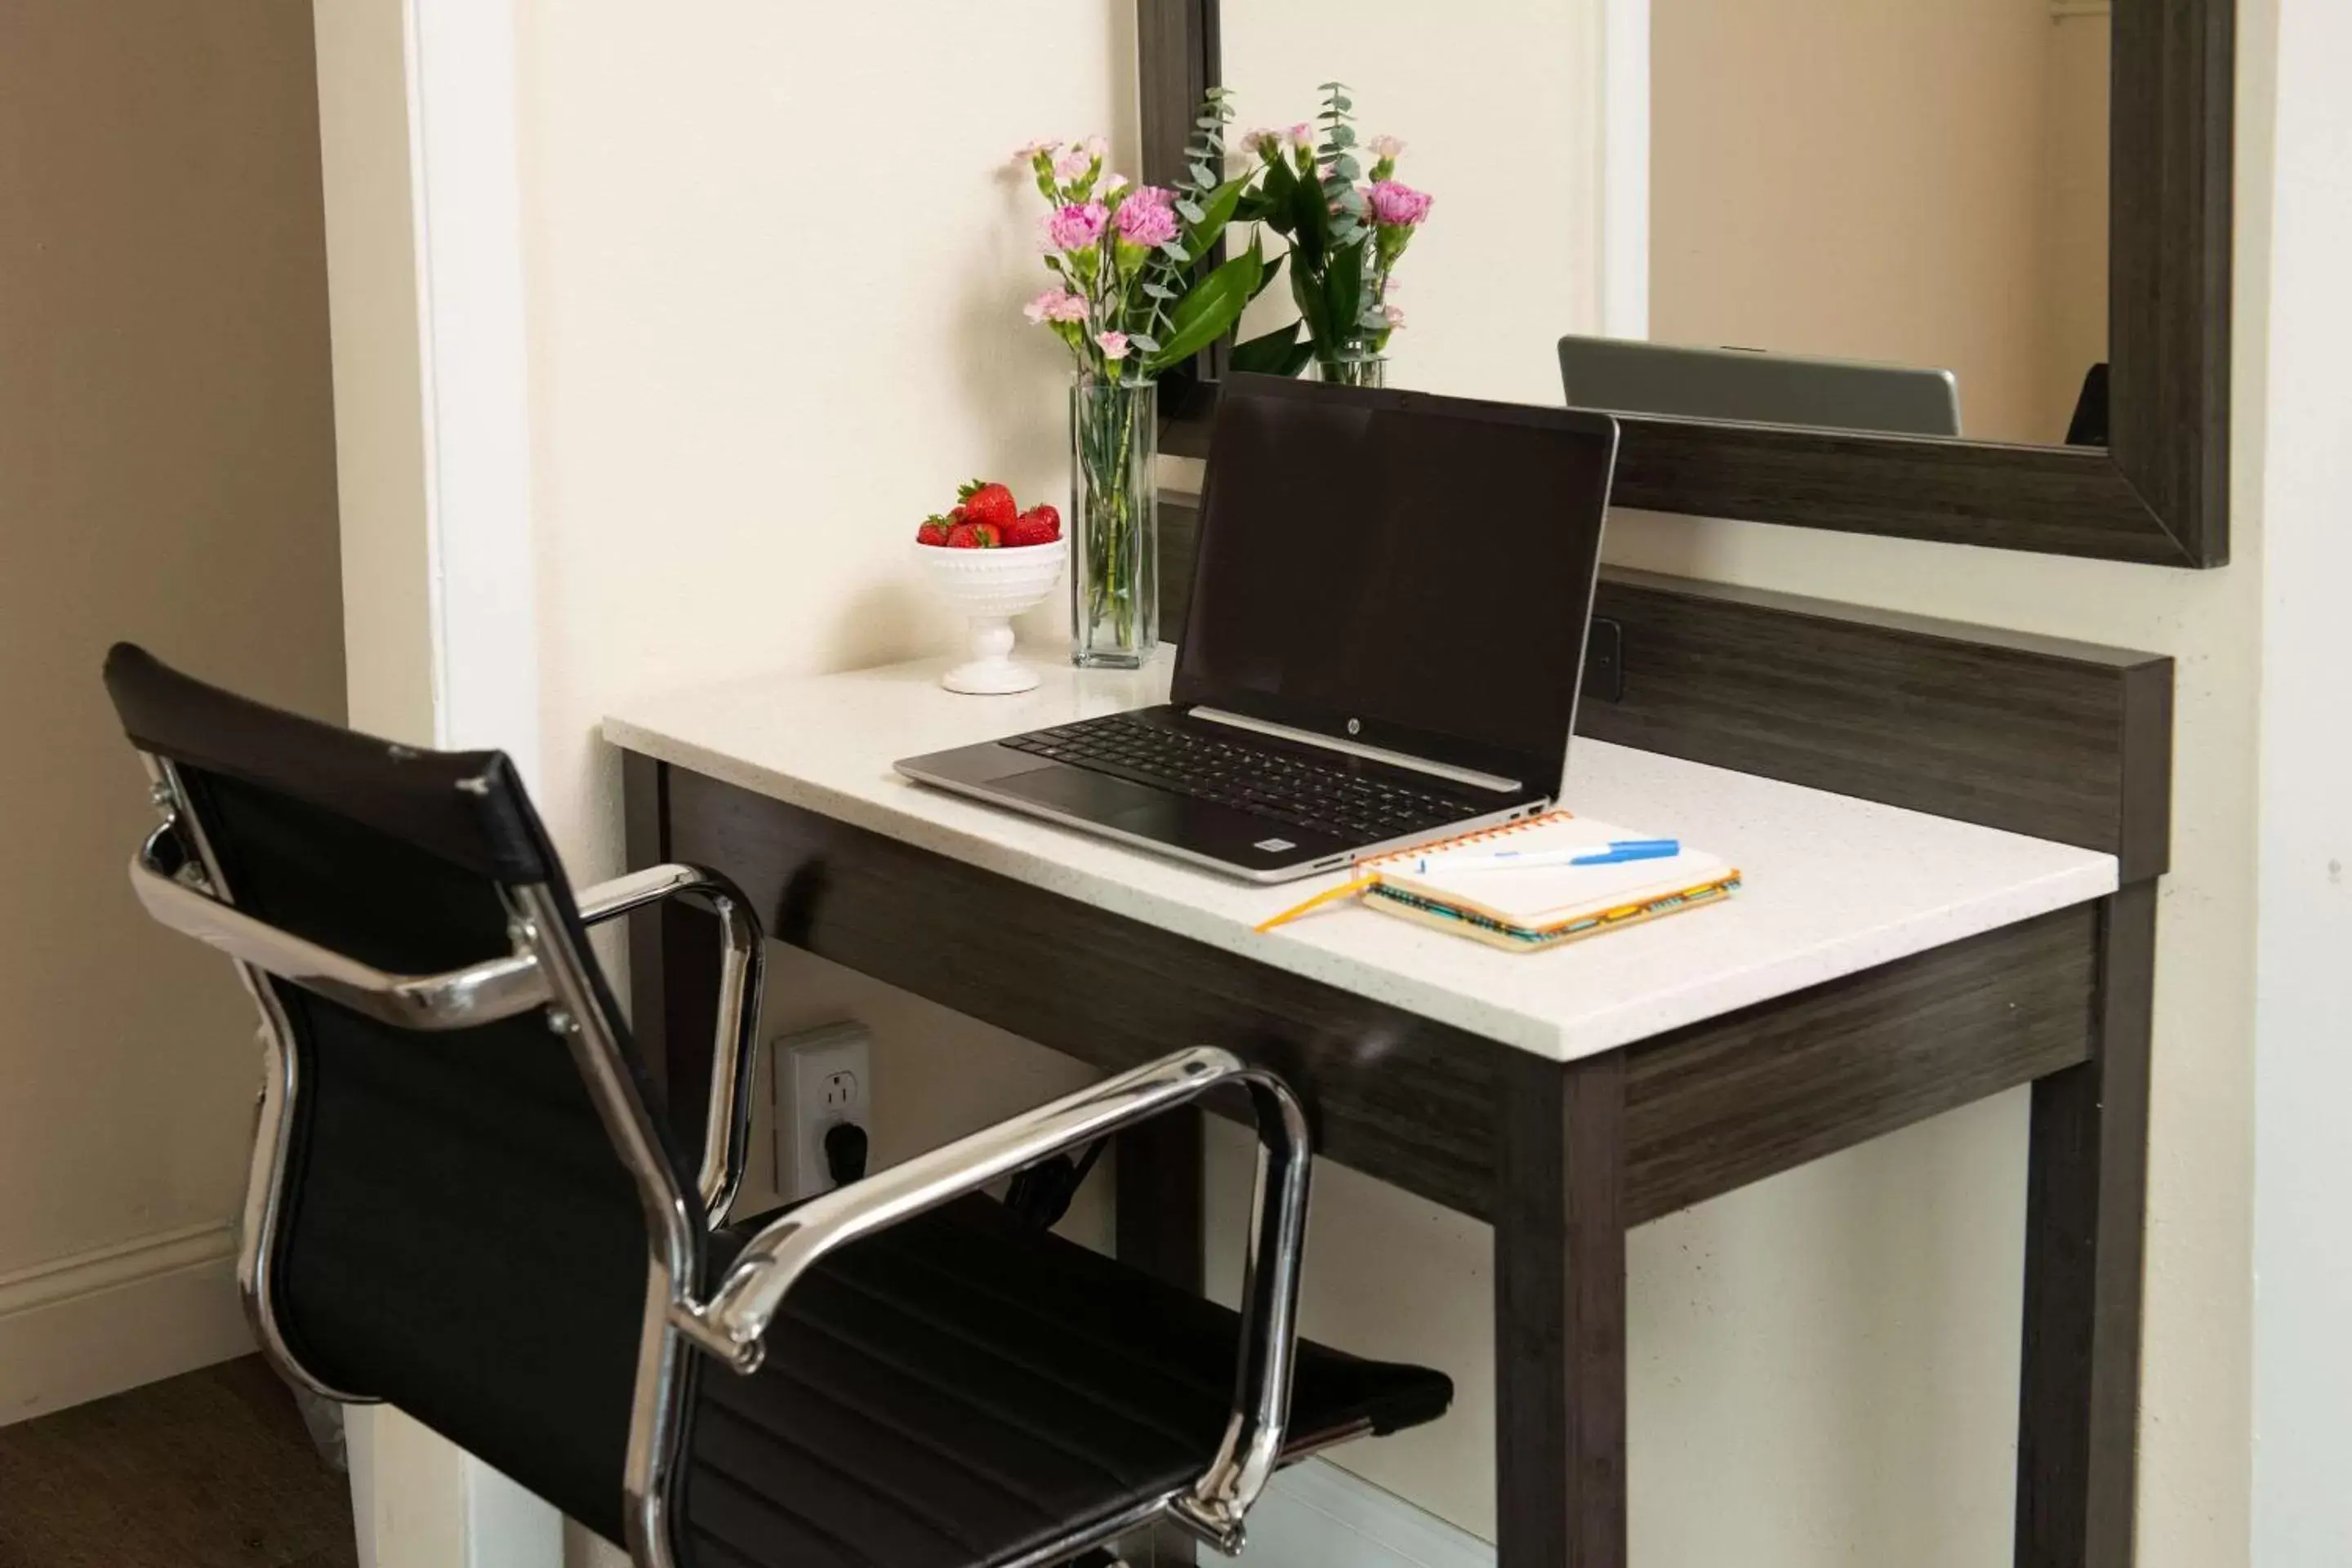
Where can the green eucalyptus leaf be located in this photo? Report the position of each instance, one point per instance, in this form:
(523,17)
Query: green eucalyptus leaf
(1144,342)
(1176,253)
(1203,175)
(1160,290)
(1188,209)
(1346,167)
(1343,136)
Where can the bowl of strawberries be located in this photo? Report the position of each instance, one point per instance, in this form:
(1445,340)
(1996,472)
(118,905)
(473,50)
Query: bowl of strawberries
(992,561)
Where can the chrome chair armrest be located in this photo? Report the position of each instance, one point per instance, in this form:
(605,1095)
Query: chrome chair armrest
(734,1053)
(732,1323)
(174,893)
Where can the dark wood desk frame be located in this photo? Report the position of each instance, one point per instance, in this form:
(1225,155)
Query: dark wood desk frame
(2062,741)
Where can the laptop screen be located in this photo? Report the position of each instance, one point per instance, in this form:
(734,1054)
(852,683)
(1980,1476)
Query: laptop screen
(1398,569)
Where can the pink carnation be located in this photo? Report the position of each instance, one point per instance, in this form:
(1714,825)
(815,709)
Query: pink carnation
(1056,305)
(1388,147)
(1113,344)
(1146,217)
(1397,204)
(1075,227)
(1071,165)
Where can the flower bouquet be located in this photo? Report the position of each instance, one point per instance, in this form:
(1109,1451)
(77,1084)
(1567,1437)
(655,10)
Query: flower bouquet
(1126,303)
(1345,239)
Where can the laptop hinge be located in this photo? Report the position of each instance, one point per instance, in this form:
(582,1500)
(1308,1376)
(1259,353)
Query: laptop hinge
(1357,748)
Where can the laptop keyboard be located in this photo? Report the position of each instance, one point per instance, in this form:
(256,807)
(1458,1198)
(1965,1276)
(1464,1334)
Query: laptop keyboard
(1280,785)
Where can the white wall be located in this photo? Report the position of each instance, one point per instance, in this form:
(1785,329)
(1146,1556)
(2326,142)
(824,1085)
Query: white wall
(776,265)
(2302,1075)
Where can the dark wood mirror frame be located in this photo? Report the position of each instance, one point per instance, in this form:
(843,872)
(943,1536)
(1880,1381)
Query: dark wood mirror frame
(2158,494)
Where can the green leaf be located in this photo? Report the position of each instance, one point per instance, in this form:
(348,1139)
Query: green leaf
(1310,222)
(1203,175)
(1208,220)
(1297,360)
(1345,289)
(1144,342)
(1176,253)
(1309,300)
(1160,290)
(1346,167)
(1210,310)
(1266,355)
(1273,271)
(1342,136)
(1188,209)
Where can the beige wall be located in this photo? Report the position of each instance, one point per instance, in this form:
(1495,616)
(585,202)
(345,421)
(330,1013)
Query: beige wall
(1905,183)
(166,476)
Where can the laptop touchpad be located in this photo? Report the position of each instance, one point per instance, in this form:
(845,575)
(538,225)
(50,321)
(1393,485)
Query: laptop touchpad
(1096,797)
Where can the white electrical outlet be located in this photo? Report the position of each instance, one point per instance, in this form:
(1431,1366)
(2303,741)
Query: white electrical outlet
(823,1076)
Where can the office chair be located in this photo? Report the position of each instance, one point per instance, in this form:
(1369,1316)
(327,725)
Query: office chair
(464,1201)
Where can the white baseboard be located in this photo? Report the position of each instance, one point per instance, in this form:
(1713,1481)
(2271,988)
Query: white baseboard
(97,1322)
(1316,1515)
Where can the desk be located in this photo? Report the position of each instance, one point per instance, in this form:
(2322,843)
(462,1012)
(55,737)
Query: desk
(1882,966)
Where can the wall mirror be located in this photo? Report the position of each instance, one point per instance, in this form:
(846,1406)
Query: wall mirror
(1946,270)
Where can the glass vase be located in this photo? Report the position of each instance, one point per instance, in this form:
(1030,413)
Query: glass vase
(1115,522)
(1347,369)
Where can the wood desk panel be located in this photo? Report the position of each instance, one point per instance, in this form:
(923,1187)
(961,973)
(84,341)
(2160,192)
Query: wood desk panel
(1398,1097)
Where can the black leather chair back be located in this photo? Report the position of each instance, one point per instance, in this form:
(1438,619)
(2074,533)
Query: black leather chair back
(456,1233)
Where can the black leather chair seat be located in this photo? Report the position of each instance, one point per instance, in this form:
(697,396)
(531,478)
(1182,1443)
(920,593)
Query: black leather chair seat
(954,1390)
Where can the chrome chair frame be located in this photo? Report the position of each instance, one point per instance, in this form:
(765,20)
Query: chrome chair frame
(178,879)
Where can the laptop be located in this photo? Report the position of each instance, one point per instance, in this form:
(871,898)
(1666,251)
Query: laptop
(1390,602)
(1758,387)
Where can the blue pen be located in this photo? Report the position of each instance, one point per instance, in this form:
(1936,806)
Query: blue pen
(1616,852)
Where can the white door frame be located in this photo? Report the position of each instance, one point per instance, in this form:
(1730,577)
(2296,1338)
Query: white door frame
(460,405)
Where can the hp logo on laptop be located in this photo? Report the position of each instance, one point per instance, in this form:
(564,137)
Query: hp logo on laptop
(1355,726)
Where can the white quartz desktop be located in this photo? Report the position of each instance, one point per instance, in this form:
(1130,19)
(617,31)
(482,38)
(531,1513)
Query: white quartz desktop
(1833,885)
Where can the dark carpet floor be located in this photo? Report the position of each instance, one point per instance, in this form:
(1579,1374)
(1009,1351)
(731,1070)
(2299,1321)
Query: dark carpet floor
(213,1469)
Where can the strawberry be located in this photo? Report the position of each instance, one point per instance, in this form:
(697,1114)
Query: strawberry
(985,501)
(990,536)
(934,531)
(964,536)
(1038,525)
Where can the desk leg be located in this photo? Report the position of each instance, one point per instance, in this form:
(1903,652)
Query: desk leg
(673,968)
(1159,1199)
(1559,1313)
(2077,1460)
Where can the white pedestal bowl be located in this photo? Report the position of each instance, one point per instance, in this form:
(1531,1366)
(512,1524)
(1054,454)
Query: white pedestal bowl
(991,587)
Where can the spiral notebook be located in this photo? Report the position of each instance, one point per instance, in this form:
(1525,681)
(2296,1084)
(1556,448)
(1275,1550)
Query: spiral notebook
(1529,908)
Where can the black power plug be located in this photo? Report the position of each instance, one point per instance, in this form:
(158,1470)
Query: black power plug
(845,1147)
